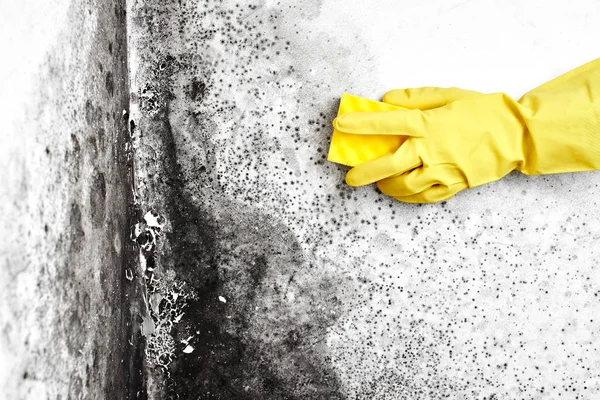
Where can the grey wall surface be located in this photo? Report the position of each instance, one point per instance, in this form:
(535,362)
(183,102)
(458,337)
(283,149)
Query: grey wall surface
(65,317)
(200,128)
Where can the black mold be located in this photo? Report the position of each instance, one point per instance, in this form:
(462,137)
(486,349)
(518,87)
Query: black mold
(98,198)
(232,357)
(131,127)
(110,84)
(196,90)
(101,139)
(77,233)
(228,362)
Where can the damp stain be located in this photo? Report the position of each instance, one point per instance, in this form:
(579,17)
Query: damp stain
(110,84)
(257,320)
(93,113)
(76,234)
(238,263)
(98,198)
(196,90)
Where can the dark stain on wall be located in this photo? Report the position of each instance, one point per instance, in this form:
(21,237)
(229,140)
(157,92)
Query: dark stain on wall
(93,348)
(98,198)
(228,361)
(196,90)
(77,234)
(249,340)
(110,84)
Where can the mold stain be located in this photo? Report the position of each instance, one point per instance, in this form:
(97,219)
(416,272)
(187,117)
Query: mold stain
(196,90)
(98,198)
(110,84)
(259,311)
(77,233)
(232,258)
(256,321)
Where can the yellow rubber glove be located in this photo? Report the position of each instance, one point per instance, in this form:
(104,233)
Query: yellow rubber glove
(351,149)
(459,139)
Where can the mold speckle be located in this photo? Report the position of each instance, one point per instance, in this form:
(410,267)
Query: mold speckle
(93,114)
(196,90)
(76,228)
(98,198)
(110,84)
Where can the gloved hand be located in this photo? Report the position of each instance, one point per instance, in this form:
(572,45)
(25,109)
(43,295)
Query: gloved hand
(454,139)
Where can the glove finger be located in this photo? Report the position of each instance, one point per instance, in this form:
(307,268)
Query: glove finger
(407,123)
(426,98)
(404,159)
(434,194)
(420,179)
(408,183)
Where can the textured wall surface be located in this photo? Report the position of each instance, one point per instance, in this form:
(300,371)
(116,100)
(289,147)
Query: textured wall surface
(65,318)
(300,287)
(257,273)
